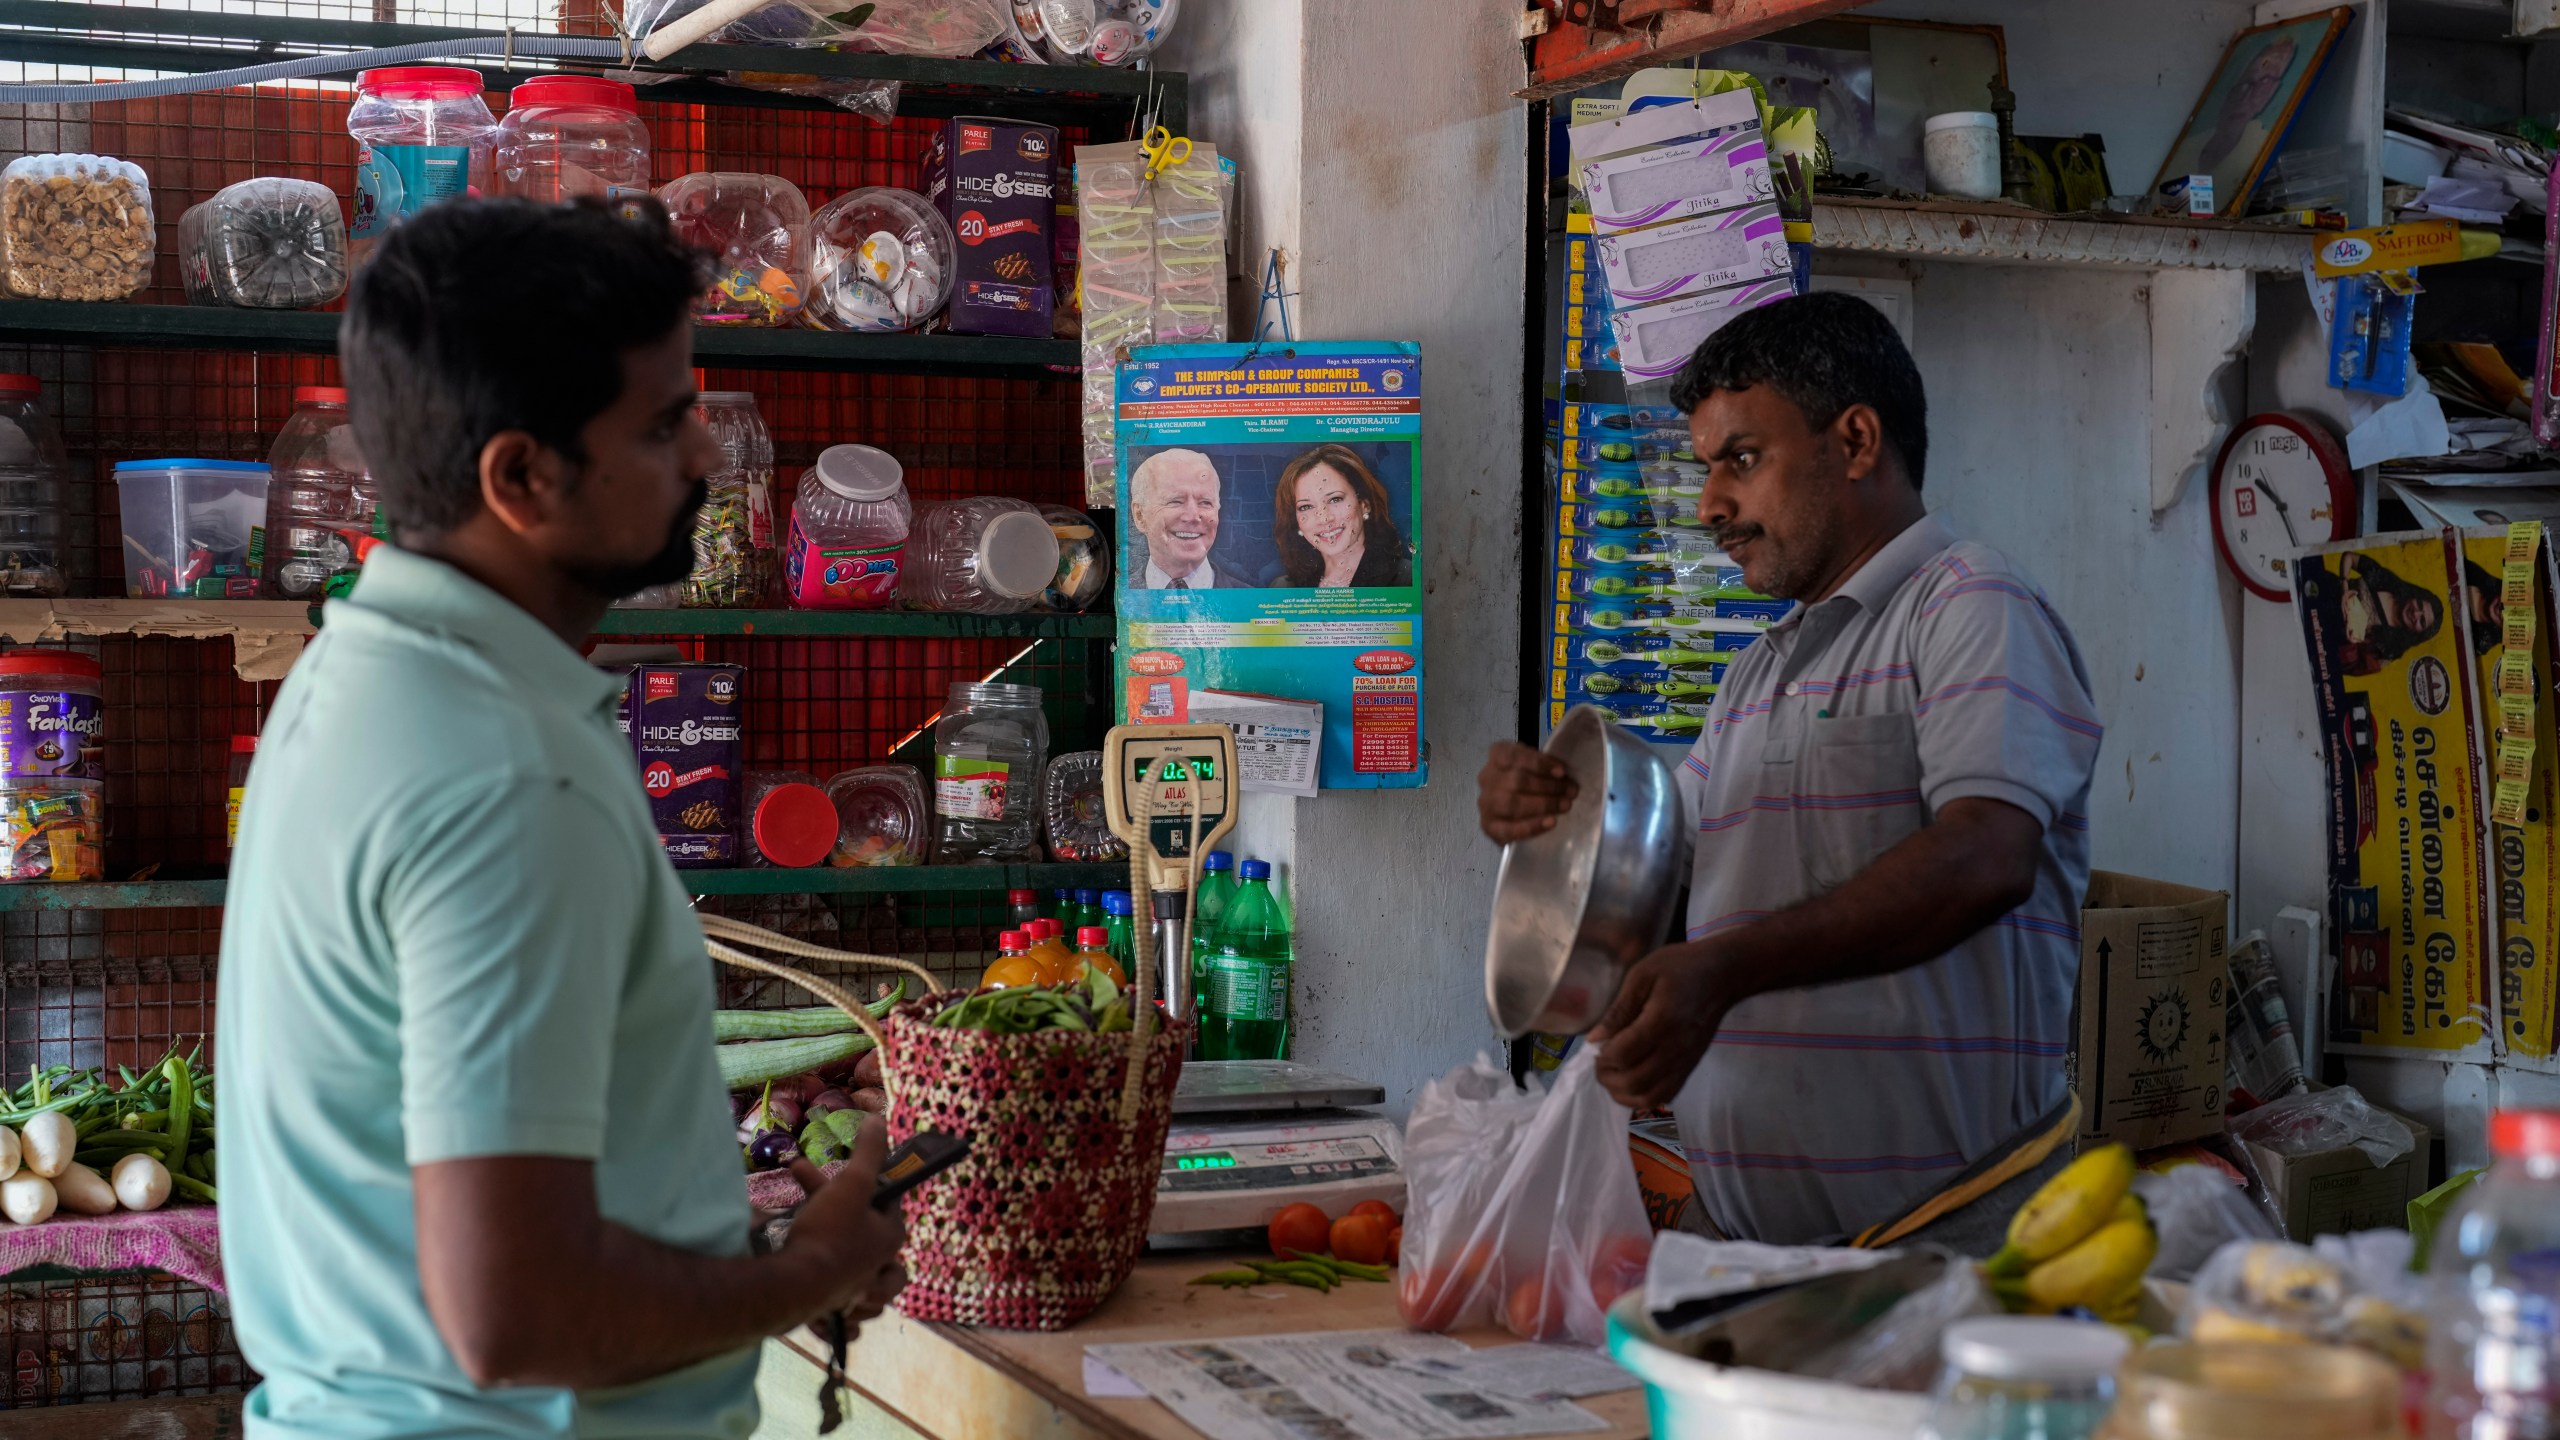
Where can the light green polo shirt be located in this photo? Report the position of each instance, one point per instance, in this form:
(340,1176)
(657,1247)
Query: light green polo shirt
(451,932)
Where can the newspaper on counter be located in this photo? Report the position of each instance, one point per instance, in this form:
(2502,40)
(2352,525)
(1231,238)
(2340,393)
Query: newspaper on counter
(1533,1371)
(1355,1385)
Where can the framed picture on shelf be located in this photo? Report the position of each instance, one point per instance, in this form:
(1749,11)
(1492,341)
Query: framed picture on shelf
(2247,106)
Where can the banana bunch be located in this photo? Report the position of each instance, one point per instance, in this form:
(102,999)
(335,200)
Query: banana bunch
(2083,1240)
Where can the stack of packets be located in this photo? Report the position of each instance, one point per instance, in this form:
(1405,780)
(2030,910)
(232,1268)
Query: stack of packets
(1152,270)
(1647,611)
(1685,225)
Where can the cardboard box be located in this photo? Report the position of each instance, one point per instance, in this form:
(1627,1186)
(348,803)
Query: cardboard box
(2338,1191)
(996,182)
(2154,977)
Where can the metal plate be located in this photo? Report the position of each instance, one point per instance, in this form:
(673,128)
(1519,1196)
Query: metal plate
(1211,1087)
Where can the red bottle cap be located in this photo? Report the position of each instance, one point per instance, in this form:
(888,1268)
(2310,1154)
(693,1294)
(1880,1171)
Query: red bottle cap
(2524,1134)
(575,90)
(1013,942)
(1046,929)
(421,82)
(1092,937)
(319,395)
(795,825)
(1022,897)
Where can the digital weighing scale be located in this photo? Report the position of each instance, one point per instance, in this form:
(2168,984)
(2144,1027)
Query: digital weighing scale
(1167,790)
(1250,1136)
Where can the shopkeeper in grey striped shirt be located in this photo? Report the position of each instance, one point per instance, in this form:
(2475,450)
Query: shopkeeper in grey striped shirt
(1862,1033)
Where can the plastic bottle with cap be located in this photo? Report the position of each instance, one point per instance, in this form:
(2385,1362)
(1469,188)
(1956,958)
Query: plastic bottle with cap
(1093,949)
(323,514)
(985,555)
(2024,1377)
(33,467)
(1120,928)
(849,525)
(1049,947)
(1022,905)
(2494,1346)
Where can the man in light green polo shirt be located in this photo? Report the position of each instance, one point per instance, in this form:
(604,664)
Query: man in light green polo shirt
(478,1172)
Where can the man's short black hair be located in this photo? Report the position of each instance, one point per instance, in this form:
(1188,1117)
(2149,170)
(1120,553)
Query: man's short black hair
(1825,352)
(483,316)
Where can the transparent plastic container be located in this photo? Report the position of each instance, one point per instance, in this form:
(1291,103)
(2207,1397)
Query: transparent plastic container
(988,749)
(985,555)
(1086,32)
(2024,1377)
(790,822)
(1084,561)
(423,134)
(757,228)
(32,469)
(1071,810)
(266,244)
(322,509)
(881,816)
(75,227)
(190,526)
(52,716)
(2254,1390)
(570,136)
(880,259)
(849,526)
(2494,1345)
(733,537)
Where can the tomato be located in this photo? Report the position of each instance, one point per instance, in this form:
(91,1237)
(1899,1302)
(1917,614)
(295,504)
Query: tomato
(1299,1229)
(1375,1207)
(1436,1297)
(1618,1267)
(1531,1313)
(1395,1245)
(1360,1239)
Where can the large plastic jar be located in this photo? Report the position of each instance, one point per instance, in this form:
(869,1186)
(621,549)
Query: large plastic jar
(733,537)
(985,555)
(423,134)
(321,505)
(567,136)
(32,467)
(52,766)
(268,244)
(190,527)
(2254,1390)
(988,748)
(848,525)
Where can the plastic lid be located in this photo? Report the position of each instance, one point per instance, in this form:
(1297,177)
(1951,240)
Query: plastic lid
(1088,897)
(1218,860)
(859,472)
(1013,941)
(1022,897)
(37,660)
(795,825)
(236,466)
(574,90)
(319,395)
(422,82)
(244,744)
(1961,120)
(2524,1134)
(1018,554)
(1092,937)
(2033,1347)
(1115,902)
(20,385)
(1045,928)
(1255,870)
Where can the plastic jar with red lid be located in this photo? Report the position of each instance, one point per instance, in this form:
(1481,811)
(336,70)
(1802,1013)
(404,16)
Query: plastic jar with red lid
(567,136)
(52,766)
(32,470)
(423,134)
(322,510)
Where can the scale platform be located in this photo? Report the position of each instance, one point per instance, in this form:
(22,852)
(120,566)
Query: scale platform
(1252,1136)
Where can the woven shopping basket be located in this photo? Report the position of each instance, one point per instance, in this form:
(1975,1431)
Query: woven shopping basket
(1047,1214)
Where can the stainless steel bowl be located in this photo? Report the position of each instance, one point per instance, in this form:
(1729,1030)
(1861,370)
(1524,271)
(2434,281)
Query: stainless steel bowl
(1575,907)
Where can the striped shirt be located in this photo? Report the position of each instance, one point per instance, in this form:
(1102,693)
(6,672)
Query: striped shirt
(1936,673)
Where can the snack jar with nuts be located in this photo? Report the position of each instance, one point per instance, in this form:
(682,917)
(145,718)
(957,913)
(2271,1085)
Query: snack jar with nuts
(75,227)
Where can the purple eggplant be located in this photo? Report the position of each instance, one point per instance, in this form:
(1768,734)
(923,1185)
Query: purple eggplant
(772,1149)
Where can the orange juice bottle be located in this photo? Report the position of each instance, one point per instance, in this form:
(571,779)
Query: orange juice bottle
(1094,949)
(1057,963)
(1014,964)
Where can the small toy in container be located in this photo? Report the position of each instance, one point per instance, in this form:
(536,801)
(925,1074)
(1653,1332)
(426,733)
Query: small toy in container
(880,259)
(267,244)
(758,228)
(880,816)
(1071,810)
(1084,561)
(188,526)
(53,830)
(75,227)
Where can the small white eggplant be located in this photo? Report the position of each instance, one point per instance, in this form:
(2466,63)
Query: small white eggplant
(8,1152)
(84,1191)
(49,1141)
(141,1182)
(27,1198)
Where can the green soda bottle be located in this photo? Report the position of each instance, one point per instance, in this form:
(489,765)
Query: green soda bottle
(1243,997)
(1209,901)
(1121,924)
(1088,910)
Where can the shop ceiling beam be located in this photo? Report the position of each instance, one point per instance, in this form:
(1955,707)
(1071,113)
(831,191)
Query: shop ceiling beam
(1572,55)
(1946,230)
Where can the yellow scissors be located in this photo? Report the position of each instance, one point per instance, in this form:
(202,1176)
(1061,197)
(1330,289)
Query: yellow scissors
(1163,148)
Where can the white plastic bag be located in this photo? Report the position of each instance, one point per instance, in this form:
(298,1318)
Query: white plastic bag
(1522,1208)
(944,28)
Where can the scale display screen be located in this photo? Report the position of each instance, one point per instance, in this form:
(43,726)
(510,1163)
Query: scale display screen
(1219,1161)
(1282,1164)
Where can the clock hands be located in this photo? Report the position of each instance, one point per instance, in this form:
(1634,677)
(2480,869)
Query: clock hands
(2284,513)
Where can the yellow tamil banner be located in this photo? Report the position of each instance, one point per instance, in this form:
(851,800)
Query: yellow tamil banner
(2393,677)
(2506,576)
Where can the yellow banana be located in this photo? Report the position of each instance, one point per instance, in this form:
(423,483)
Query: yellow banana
(2065,1211)
(2096,1270)
(2131,1207)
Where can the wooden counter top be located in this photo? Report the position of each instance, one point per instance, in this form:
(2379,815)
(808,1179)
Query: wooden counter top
(950,1382)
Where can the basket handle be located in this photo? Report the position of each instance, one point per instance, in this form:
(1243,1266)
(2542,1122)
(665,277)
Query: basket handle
(717,930)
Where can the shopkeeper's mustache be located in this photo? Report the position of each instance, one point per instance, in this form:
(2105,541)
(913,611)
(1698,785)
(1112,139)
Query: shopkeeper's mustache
(1728,536)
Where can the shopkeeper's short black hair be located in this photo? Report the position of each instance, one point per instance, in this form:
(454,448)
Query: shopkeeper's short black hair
(1826,352)
(483,316)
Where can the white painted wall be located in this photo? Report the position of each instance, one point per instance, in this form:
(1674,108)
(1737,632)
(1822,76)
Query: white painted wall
(1405,217)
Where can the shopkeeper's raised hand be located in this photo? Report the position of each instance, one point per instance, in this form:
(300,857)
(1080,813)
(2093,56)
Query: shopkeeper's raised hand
(1521,791)
(851,1244)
